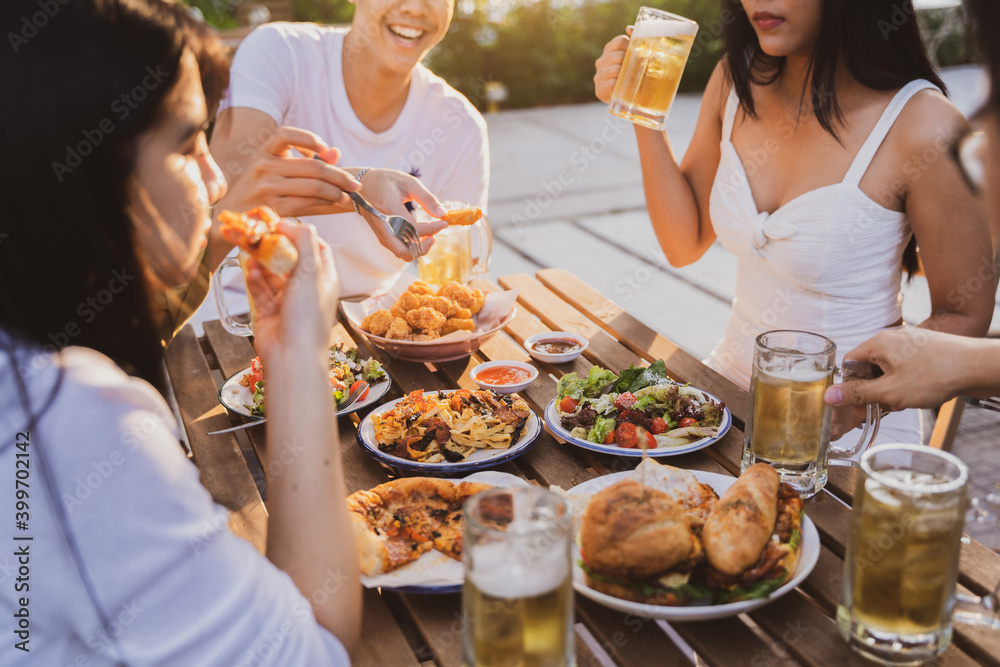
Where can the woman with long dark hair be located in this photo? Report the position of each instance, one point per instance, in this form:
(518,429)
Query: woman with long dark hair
(819,154)
(105,191)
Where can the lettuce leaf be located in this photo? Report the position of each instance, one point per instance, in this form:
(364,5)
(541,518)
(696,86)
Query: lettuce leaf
(570,385)
(694,591)
(756,590)
(602,426)
(633,379)
(598,381)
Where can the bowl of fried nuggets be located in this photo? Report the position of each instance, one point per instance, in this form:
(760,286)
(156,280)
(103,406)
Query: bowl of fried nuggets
(429,323)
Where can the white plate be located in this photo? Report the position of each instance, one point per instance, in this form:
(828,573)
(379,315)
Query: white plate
(478,460)
(235,397)
(555,423)
(807,560)
(434,572)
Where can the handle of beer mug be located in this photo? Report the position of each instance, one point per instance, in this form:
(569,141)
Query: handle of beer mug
(973,609)
(843,456)
(228,323)
(481,266)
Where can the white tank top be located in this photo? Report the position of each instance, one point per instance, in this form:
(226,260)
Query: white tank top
(827,261)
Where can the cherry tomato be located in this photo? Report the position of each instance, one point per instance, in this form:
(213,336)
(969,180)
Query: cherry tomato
(688,421)
(609,439)
(626,436)
(355,386)
(625,400)
(660,425)
(568,404)
(642,435)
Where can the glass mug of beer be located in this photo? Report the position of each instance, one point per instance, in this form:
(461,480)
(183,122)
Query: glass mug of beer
(898,596)
(451,256)
(788,425)
(657,52)
(517,602)
(230,323)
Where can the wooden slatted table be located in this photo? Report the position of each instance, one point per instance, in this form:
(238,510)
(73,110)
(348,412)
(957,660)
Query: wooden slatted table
(797,629)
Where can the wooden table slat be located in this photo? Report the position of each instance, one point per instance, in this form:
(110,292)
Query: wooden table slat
(220,462)
(628,639)
(382,641)
(728,641)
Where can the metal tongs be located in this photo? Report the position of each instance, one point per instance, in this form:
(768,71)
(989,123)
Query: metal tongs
(351,399)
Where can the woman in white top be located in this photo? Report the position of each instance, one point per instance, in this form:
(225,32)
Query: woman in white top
(818,160)
(120,557)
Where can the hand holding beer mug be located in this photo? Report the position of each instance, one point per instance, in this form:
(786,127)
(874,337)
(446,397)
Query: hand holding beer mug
(517,602)
(898,595)
(230,323)
(657,53)
(788,425)
(451,256)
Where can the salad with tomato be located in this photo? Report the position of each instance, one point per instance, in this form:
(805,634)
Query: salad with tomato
(636,408)
(347,371)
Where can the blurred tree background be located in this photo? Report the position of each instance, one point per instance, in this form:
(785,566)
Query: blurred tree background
(543,51)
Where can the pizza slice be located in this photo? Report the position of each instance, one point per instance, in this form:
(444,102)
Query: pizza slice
(396,522)
(254,232)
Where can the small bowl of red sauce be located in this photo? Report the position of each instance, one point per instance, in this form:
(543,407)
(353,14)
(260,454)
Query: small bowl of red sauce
(555,347)
(504,377)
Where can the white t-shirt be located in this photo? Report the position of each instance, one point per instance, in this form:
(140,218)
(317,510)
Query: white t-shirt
(173,584)
(293,72)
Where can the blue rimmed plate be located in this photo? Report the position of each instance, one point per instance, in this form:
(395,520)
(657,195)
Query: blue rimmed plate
(478,460)
(433,572)
(555,423)
(235,397)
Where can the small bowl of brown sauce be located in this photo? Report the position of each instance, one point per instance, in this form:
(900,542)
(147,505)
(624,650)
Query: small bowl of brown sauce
(504,377)
(555,347)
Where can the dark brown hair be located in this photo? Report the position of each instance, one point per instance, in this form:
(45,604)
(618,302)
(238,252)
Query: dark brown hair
(81,87)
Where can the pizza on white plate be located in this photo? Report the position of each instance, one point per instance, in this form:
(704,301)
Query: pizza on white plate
(396,522)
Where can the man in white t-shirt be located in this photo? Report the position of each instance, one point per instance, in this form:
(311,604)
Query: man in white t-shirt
(365,92)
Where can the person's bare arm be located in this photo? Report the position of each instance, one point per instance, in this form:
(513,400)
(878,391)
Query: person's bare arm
(309,535)
(950,227)
(677,196)
(923,369)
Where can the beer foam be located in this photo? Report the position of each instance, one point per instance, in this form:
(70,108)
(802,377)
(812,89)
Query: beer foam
(660,28)
(517,571)
(796,373)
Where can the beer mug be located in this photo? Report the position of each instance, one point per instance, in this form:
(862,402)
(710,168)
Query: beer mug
(517,602)
(788,425)
(654,61)
(451,256)
(898,597)
(229,323)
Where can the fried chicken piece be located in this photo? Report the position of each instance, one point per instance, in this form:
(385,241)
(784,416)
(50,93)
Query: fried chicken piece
(398,330)
(442,304)
(409,301)
(456,324)
(425,318)
(377,323)
(465,297)
(462,314)
(478,300)
(425,336)
(419,287)
(397,311)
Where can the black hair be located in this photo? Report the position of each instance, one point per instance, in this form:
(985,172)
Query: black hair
(83,81)
(986,19)
(879,41)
